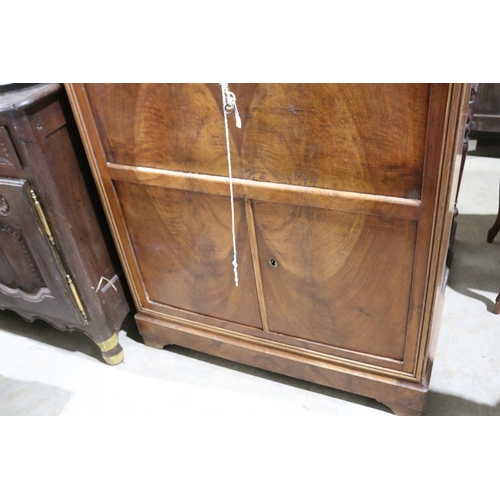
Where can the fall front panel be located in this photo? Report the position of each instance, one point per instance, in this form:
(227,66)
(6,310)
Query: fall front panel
(367,138)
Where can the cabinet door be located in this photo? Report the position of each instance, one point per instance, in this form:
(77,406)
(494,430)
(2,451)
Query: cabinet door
(32,280)
(339,279)
(183,246)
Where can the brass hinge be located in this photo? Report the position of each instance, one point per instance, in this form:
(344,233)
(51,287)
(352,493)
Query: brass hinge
(76,296)
(43,219)
(50,236)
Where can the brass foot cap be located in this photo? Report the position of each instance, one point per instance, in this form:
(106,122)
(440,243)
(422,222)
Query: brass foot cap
(114,360)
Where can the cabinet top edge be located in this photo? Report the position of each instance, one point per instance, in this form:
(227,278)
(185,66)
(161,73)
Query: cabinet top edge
(19,99)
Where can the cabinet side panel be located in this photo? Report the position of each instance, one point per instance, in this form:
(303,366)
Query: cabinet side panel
(447,204)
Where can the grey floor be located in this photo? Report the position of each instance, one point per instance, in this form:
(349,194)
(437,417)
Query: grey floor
(47,372)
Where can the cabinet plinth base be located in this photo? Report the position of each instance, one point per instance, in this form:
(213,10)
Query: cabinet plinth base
(403,398)
(153,343)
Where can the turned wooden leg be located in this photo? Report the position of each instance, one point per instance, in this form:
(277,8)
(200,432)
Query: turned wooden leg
(112,351)
(465,149)
(493,231)
(496,309)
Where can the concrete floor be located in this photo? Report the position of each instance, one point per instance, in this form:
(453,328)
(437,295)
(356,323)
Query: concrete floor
(47,372)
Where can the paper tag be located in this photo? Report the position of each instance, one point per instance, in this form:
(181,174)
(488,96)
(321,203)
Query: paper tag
(237,116)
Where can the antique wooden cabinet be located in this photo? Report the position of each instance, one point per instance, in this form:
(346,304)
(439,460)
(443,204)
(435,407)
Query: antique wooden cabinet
(344,196)
(54,241)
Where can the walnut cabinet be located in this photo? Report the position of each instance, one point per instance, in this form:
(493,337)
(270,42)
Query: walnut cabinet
(54,241)
(344,196)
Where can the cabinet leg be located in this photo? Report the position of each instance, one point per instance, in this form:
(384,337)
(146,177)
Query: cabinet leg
(493,231)
(112,351)
(405,411)
(496,309)
(409,408)
(153,343)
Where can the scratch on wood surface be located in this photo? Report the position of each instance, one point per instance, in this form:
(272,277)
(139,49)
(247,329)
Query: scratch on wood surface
(110,284)
(293,109)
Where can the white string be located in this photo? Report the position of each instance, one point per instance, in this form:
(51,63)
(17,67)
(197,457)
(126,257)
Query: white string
(228,105)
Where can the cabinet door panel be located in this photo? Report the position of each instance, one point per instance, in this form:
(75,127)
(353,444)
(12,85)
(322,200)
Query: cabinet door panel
(17,266)
(31,279)
(341,279)
(183,245)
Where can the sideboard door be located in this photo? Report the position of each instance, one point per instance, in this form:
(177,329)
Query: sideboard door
(32,280)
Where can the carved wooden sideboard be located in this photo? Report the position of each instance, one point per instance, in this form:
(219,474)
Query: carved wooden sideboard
(54,242)
(344,197)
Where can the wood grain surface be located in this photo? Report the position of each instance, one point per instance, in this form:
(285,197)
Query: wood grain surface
(366,138)
(343,201)
(341,195)
(183,243)
(341,279)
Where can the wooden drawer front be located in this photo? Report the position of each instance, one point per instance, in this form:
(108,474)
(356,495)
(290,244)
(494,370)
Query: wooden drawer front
(366,138)
(182,242)
(8,157)
(340,279)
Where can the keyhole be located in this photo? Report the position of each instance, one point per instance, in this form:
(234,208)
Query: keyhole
(273,262)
